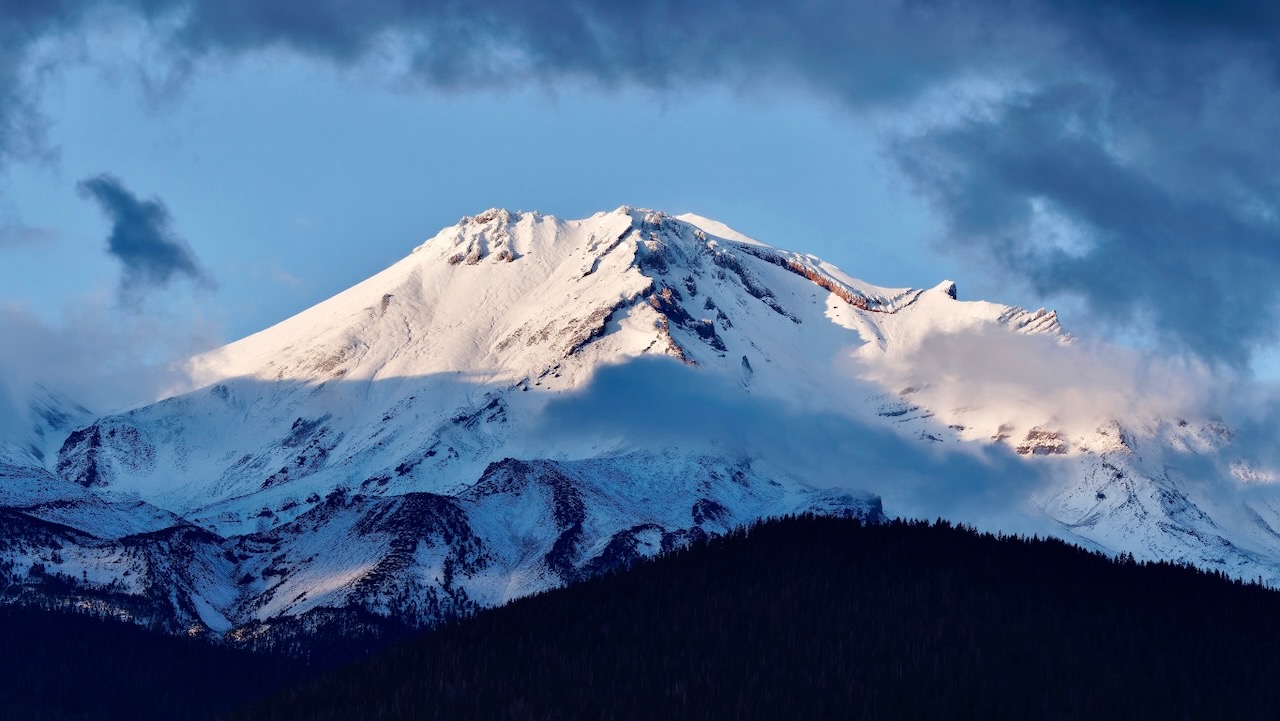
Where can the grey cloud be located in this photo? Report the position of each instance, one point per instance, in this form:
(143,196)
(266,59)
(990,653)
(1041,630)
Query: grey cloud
(1197,254)
(15,232)
(856,49)
(660,404)
(10,416)
(142,238)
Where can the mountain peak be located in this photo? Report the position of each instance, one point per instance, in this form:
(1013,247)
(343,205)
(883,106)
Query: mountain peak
(523,296)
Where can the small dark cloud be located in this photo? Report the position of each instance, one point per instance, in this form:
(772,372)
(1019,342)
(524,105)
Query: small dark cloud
(142,238)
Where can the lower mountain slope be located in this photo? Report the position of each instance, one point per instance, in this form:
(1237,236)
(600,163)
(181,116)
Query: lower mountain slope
(414,559)
(816,617)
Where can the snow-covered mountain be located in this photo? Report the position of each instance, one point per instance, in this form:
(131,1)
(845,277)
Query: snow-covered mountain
(402,447)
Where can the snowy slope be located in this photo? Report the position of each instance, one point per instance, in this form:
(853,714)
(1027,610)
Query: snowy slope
(389,449)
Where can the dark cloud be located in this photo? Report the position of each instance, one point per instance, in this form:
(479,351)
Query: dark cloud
(22,24)
(1146,129)
(1192,244)
(142,238)
(856,49)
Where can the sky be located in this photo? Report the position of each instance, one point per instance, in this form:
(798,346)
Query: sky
(289,191)
(178,174)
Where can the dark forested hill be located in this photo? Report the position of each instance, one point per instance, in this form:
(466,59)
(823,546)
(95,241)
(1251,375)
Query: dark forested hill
(827,618)
(74,667)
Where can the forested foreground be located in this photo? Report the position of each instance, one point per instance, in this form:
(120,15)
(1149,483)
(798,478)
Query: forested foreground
(827,618)
(75,667)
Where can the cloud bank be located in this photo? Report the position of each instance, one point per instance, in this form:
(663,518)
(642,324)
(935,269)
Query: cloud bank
(985,377)
(1122,153)
(658,403)
(983,382)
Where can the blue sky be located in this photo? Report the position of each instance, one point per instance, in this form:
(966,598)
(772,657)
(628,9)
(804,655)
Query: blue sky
(292,180)
(178,173)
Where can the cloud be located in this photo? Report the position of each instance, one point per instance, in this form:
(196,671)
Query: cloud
(11,426)
(659,404)
(22,25)
(1168,221)
(142,238)
(100,358)
(654,43)
(981,380)
(13,235)
(1213,433)
(985,377)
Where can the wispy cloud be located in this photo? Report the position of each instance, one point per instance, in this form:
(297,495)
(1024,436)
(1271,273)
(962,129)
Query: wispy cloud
(13,235)
(92,352)
(985,377)
(659,403)
(101,358)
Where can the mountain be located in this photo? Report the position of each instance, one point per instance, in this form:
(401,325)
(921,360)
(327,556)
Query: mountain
(486,419)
